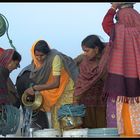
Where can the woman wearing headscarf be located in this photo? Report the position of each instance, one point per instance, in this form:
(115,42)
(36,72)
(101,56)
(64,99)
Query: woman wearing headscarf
(54,74)
(9,61)
(122,86)
(90,81)
(13,95)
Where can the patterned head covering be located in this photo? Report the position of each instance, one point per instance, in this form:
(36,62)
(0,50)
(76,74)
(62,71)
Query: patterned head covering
(1,50)
(6,57)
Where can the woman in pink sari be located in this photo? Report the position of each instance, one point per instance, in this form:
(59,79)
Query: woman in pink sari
(90,81)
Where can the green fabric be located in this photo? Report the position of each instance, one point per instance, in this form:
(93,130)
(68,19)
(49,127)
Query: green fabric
(2,26)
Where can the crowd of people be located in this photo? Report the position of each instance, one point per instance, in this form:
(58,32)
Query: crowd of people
(105,77)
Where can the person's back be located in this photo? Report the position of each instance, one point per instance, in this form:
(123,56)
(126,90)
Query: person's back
(122,85)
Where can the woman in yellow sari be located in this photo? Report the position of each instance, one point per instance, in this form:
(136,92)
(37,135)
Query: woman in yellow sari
(54,74)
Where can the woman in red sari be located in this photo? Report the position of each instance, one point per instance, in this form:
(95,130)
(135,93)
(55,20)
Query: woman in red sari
(9,60)
(13,95)
(122,86)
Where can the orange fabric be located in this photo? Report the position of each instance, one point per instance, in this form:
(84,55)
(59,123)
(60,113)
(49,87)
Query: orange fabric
(50,97)
(127,122)
(38,65)
(33,55)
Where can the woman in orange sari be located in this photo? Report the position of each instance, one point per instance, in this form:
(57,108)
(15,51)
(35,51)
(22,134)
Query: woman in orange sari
(54,74)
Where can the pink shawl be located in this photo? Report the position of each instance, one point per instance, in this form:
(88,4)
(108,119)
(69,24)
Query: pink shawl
(89,74)
(125,55)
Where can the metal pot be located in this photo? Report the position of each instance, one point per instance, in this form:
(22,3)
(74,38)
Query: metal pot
(34,102)
(69,122)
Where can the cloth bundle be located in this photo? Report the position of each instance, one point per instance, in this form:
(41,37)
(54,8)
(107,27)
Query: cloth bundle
(70,116)
(71,110)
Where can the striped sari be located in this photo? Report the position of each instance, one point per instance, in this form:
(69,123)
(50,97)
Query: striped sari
(123,85)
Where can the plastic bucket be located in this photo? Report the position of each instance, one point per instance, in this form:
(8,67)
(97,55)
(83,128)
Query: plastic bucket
(76,133)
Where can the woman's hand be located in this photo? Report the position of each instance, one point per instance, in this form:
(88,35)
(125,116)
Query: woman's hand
(30,91)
